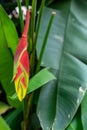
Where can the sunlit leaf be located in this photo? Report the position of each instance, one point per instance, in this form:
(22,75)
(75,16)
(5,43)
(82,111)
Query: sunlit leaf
(8,43)
(3,124)
(9,30)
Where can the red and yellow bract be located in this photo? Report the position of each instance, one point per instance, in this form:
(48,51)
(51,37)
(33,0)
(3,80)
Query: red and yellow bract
(21,63)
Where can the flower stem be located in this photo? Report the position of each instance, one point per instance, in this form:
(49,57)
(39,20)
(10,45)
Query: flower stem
(39,19)
(34,3)
(20,16)
(27,3)
(45,41)
(35,34)
(27,109)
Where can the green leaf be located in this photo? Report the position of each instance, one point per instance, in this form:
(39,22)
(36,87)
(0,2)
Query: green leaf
(76,123)
(84,112)
(14,119)
(14,101)
(8,43)
(3,125)
(6,64)
(9,30)
(41,78)
(3,107)
(66,54)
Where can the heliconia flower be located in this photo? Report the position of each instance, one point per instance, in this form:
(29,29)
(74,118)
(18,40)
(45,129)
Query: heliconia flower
(21,63)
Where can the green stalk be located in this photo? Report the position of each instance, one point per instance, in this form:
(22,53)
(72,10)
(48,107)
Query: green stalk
(39,19)
(24,112)
(27,3)
(32,57)
(35,35)
(20,16)
(49,2)
(27,109)
(33,15)
(45,41)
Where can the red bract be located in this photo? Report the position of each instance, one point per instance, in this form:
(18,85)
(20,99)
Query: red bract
(21,63)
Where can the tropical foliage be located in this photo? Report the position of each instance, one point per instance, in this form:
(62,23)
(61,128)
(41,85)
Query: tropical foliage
(57,50)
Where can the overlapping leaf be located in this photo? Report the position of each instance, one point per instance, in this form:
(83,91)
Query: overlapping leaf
(8,43)
(3,124)
(76,123)
(66,54)
(9,30)
(84,112)
(41,78)
(14,119)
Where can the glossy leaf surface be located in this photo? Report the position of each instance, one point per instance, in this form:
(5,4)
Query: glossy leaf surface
(66,54)
(41,78)
(76,123)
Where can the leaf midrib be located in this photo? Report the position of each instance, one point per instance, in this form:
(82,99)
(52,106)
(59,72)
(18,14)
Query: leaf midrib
(60,64)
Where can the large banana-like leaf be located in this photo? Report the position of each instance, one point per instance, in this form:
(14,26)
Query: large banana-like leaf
(8,43)
(76,123)
(66,54)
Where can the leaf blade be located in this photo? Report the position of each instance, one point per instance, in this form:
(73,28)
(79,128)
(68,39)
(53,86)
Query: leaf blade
(40,79)
(69,66)
(9,29)
(3,124)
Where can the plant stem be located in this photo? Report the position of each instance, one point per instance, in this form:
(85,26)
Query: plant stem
(32,33)
(34,3)
(32,58)
(20,16)
(45,41)
(27,3)
(35,34)
(27,108)
(39,19)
